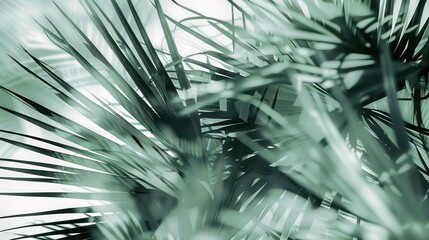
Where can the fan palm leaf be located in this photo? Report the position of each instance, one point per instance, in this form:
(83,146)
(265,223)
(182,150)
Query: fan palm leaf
(275,134)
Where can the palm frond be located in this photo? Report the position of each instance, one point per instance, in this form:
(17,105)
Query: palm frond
(288,126)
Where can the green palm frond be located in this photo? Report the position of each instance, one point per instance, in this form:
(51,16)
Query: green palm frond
(288,122)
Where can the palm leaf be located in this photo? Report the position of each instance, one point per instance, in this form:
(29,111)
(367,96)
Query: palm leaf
(276,134)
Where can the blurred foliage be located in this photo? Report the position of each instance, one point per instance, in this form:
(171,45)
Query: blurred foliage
(295,120)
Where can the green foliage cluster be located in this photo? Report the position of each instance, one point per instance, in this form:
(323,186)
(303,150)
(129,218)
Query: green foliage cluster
(307,122)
